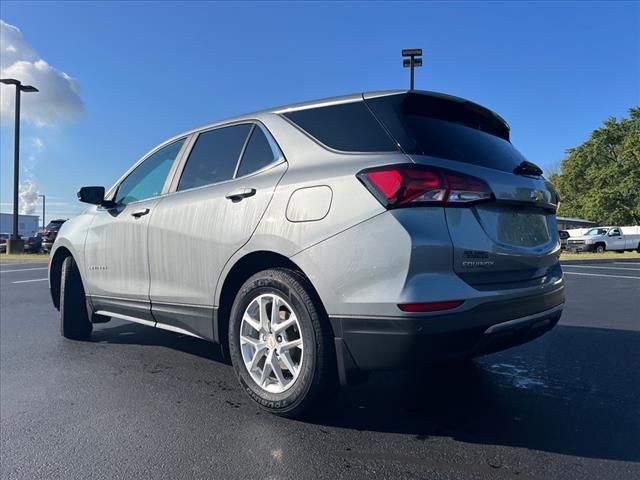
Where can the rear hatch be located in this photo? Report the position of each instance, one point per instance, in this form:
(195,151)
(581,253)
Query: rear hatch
(51,231)
(508,241)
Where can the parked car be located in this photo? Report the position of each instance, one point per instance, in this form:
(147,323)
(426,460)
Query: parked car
(3,242)
(600,239)
(33,244)
(50,233)
(564,236)
(321,241)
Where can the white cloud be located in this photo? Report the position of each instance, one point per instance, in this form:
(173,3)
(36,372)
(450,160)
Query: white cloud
(28,197)
(57,101)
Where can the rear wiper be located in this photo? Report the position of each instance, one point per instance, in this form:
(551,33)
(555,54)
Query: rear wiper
(527,168)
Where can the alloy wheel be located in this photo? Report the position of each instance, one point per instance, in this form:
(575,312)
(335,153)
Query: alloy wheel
(271,343)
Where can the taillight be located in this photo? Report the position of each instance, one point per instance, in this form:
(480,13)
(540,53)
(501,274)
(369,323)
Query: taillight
(406,185)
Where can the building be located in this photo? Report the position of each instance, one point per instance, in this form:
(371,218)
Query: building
(28,225)
(565,223)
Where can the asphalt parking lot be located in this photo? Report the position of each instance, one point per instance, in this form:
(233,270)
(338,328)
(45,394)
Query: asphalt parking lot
(137,402)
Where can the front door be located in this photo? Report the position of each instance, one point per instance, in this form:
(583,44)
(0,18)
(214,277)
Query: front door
(116,253)
(615,239)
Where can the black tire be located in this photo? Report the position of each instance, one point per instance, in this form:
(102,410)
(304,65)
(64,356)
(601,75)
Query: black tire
(600,248)
(74,319)
(317,375)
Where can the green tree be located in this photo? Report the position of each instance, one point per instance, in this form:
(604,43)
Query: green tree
(600,179)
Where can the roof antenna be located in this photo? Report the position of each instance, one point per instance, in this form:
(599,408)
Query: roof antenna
(413,61)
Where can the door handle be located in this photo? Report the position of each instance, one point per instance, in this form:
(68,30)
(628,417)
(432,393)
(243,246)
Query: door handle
(240,193)
(140,213)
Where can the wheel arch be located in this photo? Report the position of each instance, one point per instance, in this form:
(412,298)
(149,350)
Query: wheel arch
(241,270)
(55,271)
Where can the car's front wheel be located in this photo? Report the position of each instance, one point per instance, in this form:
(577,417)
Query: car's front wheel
(74,318)
(280,343)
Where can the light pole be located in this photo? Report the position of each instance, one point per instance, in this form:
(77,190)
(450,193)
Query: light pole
(413,61)
(15,244)
(44,204)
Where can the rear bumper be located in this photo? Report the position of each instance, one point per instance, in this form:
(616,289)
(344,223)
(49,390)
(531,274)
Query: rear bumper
(364,345)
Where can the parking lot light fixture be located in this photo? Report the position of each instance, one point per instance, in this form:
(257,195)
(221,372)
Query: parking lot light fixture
(15,244)
(412,57)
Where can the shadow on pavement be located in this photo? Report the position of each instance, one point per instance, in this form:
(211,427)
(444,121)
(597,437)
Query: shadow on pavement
(575,391)
(134,334)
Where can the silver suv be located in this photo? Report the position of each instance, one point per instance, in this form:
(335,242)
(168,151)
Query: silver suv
(321,241)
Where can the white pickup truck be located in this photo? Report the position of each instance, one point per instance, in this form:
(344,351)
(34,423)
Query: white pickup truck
(600,239)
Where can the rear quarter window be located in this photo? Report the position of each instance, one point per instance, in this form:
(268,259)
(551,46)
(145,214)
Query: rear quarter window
(348,127)
(257,155)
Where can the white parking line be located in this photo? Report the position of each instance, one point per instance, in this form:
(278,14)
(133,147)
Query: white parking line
(26,264)
(597,275)
(22,270)
(35,280)
(597,266)
(627,263)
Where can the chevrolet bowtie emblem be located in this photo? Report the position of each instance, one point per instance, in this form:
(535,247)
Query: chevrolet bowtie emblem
(536,195)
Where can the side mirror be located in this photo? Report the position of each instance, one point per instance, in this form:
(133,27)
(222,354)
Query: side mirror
(94,196)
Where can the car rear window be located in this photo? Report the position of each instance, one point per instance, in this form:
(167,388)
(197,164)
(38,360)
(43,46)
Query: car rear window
(433,126)
(348,127)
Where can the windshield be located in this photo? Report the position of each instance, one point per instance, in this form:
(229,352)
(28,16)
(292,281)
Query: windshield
(596,231)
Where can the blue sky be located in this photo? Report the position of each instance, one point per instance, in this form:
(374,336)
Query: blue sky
(147,71)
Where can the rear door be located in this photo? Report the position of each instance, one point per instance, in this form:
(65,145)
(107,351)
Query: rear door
(509,240)
(222,192)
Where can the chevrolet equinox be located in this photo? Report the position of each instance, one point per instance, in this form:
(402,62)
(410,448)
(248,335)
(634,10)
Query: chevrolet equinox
(321,241)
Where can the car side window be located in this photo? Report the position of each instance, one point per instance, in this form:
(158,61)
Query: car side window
(258,154)
(614,232)
(214,156)
(148,179)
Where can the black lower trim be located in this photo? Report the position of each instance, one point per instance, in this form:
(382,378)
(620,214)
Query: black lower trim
(197,319)
(131,308)
(401,343)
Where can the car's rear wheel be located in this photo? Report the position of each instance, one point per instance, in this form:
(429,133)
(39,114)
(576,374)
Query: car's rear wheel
(280,343)
(74,318)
